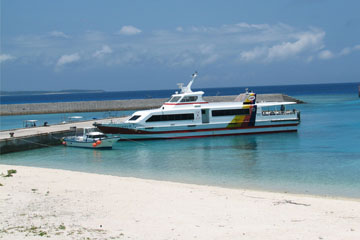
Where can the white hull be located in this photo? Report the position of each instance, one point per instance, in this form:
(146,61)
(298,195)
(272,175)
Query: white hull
(207,131)
(105,143)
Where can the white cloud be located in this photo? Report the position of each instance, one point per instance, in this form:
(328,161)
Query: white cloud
(66,59)
(310,59)
(244,27)
(326,54)
(349,50)
(103,51)
(181,46)
(58,34)
(129,30)
(253,54)
(345,51)
(304,42)
(6,57)
(208,53)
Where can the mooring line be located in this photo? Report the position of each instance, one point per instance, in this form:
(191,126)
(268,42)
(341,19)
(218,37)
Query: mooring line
(128,139)
(45,145)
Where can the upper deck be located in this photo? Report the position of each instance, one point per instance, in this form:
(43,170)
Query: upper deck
(189,106)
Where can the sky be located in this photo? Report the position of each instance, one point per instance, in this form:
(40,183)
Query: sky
(121,45)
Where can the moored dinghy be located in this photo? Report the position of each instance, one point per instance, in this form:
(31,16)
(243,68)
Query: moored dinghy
(91,138)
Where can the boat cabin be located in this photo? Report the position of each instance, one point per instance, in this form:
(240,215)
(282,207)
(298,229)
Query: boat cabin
(89,132)
(185,97)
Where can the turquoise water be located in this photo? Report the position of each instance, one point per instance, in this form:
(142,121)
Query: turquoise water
(322,158)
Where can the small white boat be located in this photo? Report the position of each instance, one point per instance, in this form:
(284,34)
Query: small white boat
(91,138)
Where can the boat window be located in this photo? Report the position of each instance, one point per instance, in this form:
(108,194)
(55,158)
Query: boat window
(97,136)
(171,117)
(189,99)
(230,112)
(133,118)
(174,99)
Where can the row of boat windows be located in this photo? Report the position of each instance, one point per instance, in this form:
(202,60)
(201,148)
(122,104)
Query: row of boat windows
(189,99)
(190,116)
(171,117)
(230,112)
(96,136)
(184,99)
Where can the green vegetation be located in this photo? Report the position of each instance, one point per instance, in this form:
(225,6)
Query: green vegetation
(36,231)
(42,233)
(62,227)
(10,172)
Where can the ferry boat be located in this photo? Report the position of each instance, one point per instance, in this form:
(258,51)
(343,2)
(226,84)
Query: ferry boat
(90,138)
(187,115)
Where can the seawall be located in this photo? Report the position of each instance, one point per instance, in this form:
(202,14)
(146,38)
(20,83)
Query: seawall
(116,105)
(23,143)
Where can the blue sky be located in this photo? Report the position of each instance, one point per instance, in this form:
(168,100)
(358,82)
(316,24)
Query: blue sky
(143,45)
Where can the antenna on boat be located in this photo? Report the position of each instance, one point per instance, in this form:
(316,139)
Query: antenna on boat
(187,89)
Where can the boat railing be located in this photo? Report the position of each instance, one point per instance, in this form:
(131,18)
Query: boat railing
(277,112)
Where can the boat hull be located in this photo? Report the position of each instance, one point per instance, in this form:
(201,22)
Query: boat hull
(105,143)
(196,131)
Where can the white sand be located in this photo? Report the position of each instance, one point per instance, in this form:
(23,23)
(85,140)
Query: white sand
(72,205)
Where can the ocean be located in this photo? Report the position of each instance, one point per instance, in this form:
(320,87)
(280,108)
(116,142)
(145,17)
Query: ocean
(322,158)
(293,90)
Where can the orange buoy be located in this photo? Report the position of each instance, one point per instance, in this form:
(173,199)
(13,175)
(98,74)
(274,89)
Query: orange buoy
(98,142)
(94,144)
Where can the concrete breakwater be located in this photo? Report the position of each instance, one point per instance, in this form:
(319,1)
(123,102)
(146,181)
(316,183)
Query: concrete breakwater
(117,105)
(15,144)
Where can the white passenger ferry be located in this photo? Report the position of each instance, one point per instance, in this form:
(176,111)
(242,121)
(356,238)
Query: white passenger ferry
(188,115)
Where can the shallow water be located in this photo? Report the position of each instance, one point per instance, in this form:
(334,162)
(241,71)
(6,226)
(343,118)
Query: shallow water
(322,158)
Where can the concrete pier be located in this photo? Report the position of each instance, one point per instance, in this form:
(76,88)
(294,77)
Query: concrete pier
(37,137)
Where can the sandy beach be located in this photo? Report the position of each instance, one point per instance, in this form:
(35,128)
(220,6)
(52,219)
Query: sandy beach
(38,203)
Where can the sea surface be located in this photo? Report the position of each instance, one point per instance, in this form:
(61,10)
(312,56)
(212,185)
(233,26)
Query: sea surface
(322,158)
(293,90)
